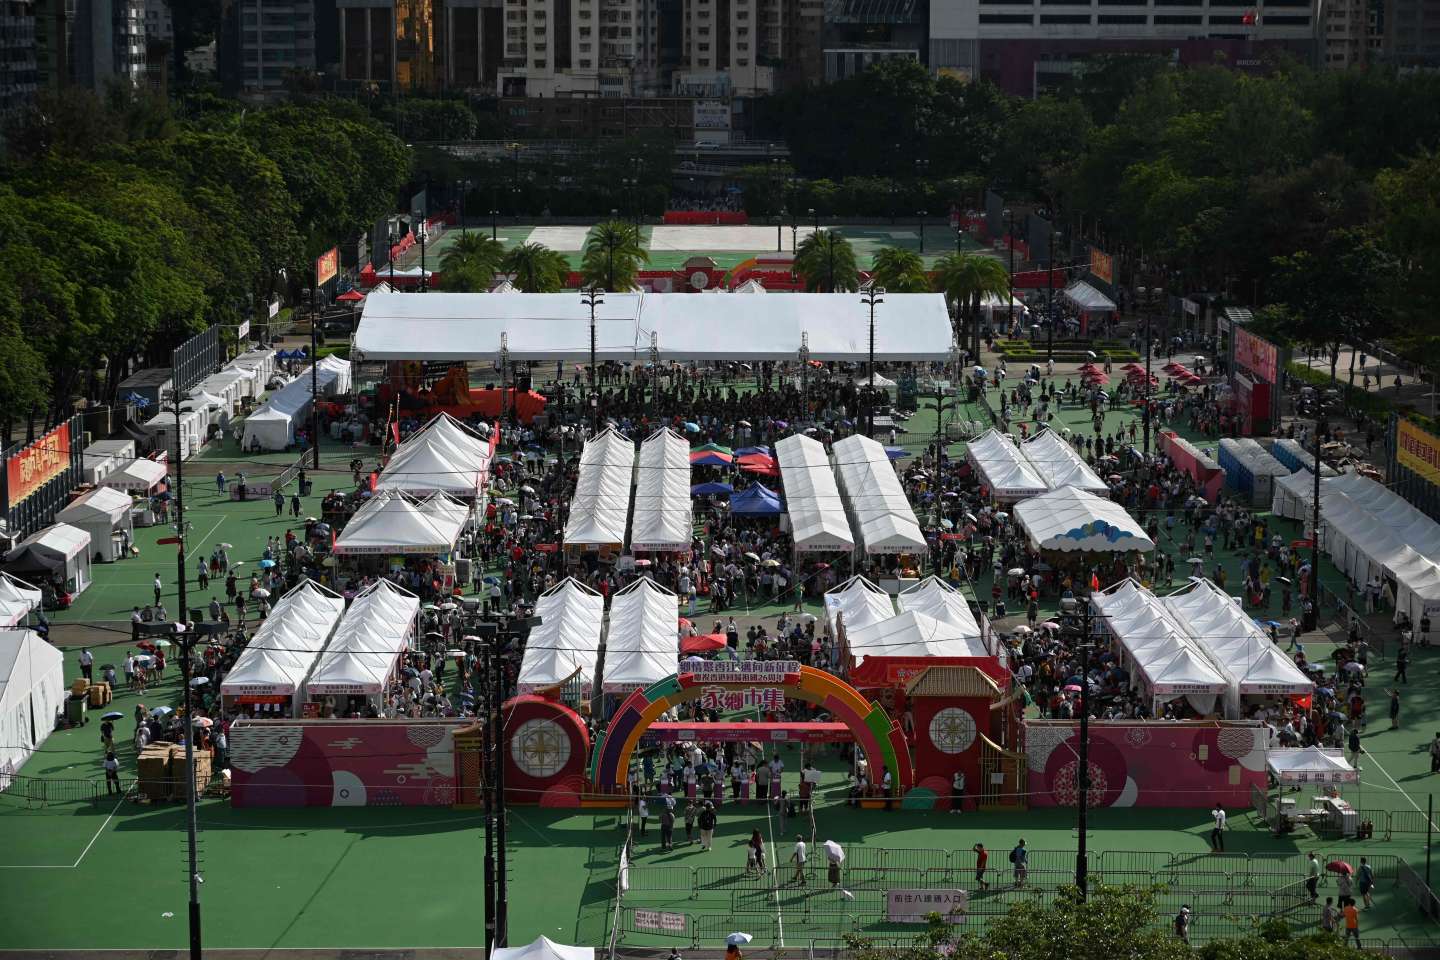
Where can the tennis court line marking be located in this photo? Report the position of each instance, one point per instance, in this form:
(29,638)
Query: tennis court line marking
(1398,788)
(775,886)
(83,853)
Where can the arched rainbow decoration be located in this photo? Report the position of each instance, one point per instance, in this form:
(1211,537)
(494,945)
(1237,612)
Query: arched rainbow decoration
(875,732)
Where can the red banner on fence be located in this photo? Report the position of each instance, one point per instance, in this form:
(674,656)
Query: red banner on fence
(38,464)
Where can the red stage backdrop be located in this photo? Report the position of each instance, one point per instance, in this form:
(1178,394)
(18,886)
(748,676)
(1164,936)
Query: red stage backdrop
(1135,764)
(355,763)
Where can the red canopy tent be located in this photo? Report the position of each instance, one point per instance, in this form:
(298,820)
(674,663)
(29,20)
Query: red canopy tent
(703,643)
(351,296)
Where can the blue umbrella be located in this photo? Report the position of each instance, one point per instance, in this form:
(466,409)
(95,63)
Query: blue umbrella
(896,453)
(692,426)
(162,711)
(266,564)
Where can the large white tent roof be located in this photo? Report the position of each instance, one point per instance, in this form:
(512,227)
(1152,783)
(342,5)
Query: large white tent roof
(444,456)
(642,644)
(139,475)
(875,500)
(600,509)
(51,547)
(912,634)
(367,642)
(1003,467)
(936,598)
(1087,297)
(102,503)
(857,603)
(1163,653)
(543,948)
(556,326)
(1069,519)
(817,514)
(1059,465)
(1310,765)
(567,641)
(283,650)
(664,513)
(17,599)
(393,523)
(32,694)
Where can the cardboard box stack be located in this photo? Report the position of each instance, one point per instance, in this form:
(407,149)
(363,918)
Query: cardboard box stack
(100,695)
(78,688)
(177,772)
(153,769)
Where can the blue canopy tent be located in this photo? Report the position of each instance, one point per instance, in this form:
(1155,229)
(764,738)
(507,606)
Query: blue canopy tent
(756,501)
(747,451)
(711,489)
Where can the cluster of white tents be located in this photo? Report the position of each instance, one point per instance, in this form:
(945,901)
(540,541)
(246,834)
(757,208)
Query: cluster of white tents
(273,425)
(600,509)
(565,646)
(395,524)
(211,402)
(1059,465)
(1068,520)
(664,513)
(1160,655)
(311,646)
(1044,462)
(444,456)
(17,599)
(812,499)
(934,620)
(875,502)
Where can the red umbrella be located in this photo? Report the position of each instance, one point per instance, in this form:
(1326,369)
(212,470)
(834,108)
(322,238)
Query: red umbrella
(684,624)
(704,643)
(758,463)
(1339,866)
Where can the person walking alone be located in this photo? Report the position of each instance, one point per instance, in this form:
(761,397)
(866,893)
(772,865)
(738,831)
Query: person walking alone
(799,857)
(1352,924)
(707,825)
(1217,832)
(112,773)
(1312,877)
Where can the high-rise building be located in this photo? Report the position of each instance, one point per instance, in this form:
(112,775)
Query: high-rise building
(90,43)
(413,46)
(266,45)
(1030,46)
(1409,32)
(19,73)
(859,33)
(1348,33)
(748,47)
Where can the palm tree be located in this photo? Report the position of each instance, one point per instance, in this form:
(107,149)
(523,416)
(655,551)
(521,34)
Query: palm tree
(613,255)
(470,263)
(536,268)
(900,271)
(965,279)
(826,261)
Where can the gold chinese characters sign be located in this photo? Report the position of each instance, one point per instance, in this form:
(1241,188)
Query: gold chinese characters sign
(38,464)
(1418,451)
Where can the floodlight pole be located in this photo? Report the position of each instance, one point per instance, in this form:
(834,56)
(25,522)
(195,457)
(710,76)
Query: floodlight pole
(186,637)
(591,297)
(1082,810)
(502,905)
(870,296)
(1315,547)
(315,374)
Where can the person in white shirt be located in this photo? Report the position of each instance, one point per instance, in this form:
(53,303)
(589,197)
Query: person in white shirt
(799,857)
(1217,833)
(87,664)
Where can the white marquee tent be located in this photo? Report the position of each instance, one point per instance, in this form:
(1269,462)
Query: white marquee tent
(1059,465)
(817,514)
(911,634)
(1160,653)
(366,648)
(395,524)
(444,456)
(641,645)
(17,599)
(857,603)
(101,513)
(138,476)
(1089,299)
(281,654)
(1068,519)
(1293,497)
(273,425)
(936,598)
(59,549)
(1003,467)
(32,695)
(556,326)
(543,948)
(566,643)
(1310,765)
(600,508)
(664,513)
(875,501)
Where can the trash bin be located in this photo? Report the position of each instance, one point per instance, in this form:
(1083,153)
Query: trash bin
(75,710)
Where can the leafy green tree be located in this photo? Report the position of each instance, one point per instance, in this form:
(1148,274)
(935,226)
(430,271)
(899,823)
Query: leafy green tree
(900,271)
(826,262)
(1409,198)
(470,265)
(965,279)
(536,268)
(613,255)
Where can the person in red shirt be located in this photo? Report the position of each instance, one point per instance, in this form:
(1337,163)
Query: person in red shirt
(982,859)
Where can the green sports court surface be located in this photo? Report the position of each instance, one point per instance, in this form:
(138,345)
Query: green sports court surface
(670,246)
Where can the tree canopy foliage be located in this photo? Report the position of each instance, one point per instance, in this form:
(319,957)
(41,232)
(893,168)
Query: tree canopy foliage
(125,230)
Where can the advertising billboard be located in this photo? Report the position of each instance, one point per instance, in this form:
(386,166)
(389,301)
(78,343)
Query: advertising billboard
(327,266)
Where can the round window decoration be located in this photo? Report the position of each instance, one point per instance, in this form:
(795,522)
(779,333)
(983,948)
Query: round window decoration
(540,748)
(952,730)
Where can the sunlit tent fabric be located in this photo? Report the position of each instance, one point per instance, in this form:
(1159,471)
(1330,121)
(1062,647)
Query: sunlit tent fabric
(32,695)
(273,425)
(881,382)
(1235,645)
(566,643)
(600,509)
(1293,497)
(1164,658)
(1059,465)
(664,514)
(137,476)
(875,501)
(100,513)
(17,599)
(642,643)
(366,648)
(444,456)
(857,603)
(543,948)
(1089,299)
(1003,467)
(911,634)
(279,657)
(817,514)
(756,500)
(1368,530)
(396,524)
(1310,765)
(936,598)
(57,549)
(556,326)
(1069,519)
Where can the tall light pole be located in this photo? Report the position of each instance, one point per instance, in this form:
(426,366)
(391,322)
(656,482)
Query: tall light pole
(593,297)
(871,295)
(1082,806)
(494,224)
(314,377)
(1010,236)
(422,235)
(1148,296)
(465,186)
(921,214)
(610,241)
(1050,333)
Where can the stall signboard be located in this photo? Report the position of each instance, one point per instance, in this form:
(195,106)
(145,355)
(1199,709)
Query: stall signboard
(38,464)
(711,115)
(743,698)
(1416,450)
(908,905)
(1257,355)
(659,921)
(327,265)
(1102,265)
(741,671)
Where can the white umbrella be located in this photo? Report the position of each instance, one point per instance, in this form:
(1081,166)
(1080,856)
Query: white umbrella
(736,939)
(260,593)
(1017,571)
(1354,666)
(834,851)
